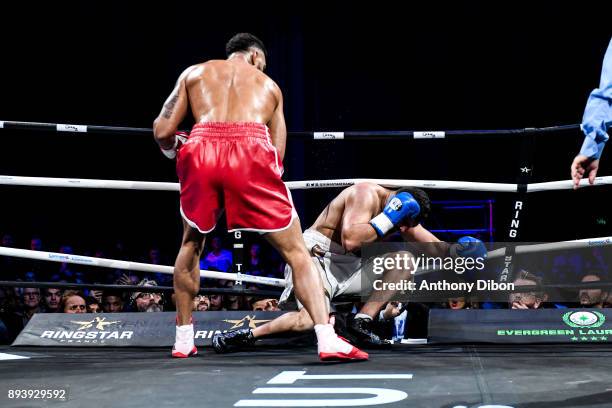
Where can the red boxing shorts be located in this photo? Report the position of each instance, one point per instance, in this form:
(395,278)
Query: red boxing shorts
(233,166)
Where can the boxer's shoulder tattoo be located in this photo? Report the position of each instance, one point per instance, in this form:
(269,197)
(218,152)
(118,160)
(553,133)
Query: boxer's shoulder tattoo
(169,106)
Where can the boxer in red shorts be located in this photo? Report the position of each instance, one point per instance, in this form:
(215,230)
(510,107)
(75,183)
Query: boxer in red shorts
(232,161)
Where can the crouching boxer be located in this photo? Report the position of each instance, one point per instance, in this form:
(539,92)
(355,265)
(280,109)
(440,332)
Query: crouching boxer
(360,214)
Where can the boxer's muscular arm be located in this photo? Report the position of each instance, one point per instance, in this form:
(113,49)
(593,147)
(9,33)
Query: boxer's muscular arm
(172,114)
(359,208)
(420,234)
(277,126)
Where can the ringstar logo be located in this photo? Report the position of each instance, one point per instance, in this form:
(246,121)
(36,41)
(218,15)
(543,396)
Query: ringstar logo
(100,323)
(246,320)
(584,319)
(93,331)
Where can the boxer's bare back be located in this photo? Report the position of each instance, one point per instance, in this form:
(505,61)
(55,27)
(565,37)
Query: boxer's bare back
(231,90)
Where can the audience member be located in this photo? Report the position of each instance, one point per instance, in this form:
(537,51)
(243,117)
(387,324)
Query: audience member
(201,303)
(112,302)
(232,301)
(52,299)
(73,302)
(36,244)
(66,270)
(216,303)
(31,304)
(527,300)
(458,303)
(93,305)
(7,241)
(147,301)
(594,298)
(266,305)
(218,258)
(255,265)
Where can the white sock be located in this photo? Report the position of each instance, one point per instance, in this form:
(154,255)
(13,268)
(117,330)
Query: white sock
(328,341)
(184,334)
(363,316)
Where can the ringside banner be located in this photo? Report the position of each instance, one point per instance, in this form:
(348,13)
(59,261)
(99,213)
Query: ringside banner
(130,329)
(520,326)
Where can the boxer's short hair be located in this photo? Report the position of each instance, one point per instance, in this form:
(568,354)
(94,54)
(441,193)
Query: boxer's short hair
(242,42)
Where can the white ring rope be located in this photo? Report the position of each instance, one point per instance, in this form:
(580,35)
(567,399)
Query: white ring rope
(554,246)
(143,267)
(303,185)
(132,266)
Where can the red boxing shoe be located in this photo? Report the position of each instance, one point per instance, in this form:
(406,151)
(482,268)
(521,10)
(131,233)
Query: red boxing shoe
(178,354)
(334,348)
(354,355)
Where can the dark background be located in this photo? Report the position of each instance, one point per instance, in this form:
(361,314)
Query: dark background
(340,65)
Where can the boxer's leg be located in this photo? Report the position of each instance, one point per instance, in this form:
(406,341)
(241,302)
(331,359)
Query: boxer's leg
(292,321)
(306,280)
(309,291)
(186,286)
(187,272)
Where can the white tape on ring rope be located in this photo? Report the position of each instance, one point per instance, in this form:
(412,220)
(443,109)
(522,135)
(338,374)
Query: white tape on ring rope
(71,128)
(429,135)
(328,135)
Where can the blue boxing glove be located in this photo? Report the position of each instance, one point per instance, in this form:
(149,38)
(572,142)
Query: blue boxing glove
(469,247)
(400,207)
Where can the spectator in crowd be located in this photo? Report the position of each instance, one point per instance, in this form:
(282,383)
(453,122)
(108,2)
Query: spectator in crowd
(31,304)
(36,243)
(52,299)
(527,300)
(248,300)
(266,305)
(147,301)
(93,305)
(201,303)
(231,301)
(216,303)
(73,302)
(7,301)
(593,298)
(5,331)
(220,259)
(29,276)
(458,303)
(96,294)
(8,241)
(255,266)
(154,257)
(112,302)
(66,270)
(43,269)
(128,279)
(608,302)
(8,314)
